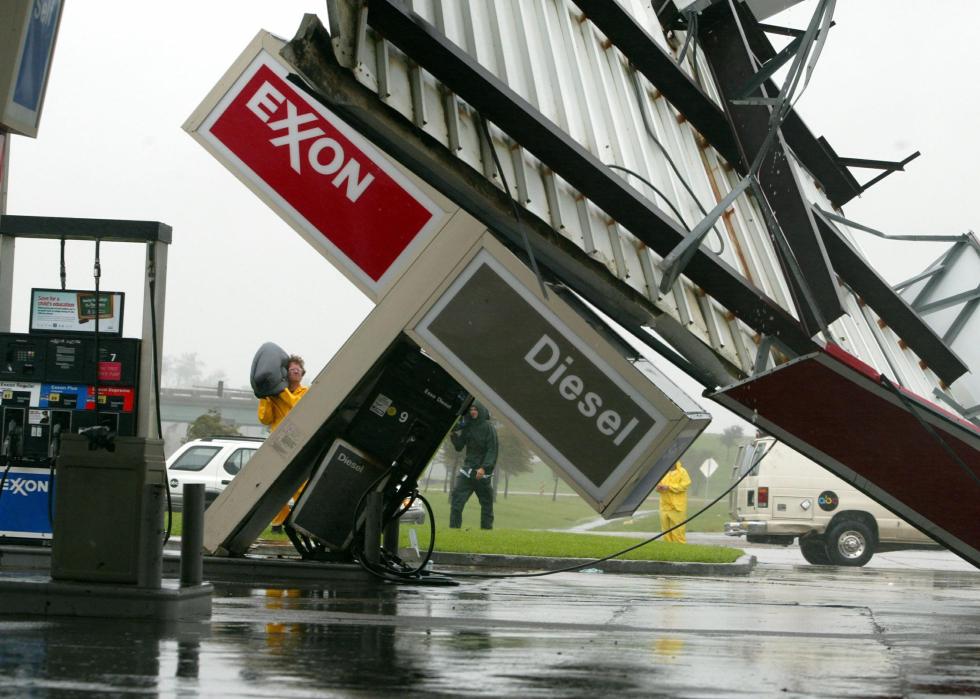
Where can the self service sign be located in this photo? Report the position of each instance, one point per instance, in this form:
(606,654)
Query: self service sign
(349,201)
(587,409)
(29,31)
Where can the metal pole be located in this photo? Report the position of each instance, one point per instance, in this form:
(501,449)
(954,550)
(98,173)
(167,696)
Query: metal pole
(146,411)
(150,571)
(372,527)
(390,540)
(4,169)
(6,241)
(192,536)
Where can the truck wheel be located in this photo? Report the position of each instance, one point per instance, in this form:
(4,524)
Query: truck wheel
(850,543)
(814,550)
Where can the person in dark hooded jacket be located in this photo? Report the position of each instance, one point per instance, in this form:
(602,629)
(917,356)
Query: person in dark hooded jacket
(477,435)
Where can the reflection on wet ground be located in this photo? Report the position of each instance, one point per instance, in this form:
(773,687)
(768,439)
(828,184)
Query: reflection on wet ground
(792,631)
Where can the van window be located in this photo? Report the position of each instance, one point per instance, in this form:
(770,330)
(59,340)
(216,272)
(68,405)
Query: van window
(760,449)
(238,459)
(194,459)
(751,457)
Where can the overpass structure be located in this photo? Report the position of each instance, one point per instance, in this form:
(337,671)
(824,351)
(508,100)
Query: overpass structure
(184,405)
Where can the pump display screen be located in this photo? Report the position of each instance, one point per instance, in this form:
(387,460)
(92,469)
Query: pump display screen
(76,311)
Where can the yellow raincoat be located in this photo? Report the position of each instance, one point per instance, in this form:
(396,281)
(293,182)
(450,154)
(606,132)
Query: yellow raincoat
(272,411)
(673,502)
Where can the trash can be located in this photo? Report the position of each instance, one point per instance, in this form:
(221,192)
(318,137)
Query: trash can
(99,502)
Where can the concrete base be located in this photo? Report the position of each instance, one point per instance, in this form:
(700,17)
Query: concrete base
(275,564)
(269,566)
(34,596)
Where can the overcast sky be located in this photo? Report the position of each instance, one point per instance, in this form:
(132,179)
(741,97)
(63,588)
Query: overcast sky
(896,76)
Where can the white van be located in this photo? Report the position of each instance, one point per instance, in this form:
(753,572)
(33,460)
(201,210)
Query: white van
(786,496)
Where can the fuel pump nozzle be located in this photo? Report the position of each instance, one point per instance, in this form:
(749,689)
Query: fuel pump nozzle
(55,446)
(7,441)
(6,450)
(99,437)
(11,442)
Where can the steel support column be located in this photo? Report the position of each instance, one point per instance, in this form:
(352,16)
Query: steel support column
(733,69)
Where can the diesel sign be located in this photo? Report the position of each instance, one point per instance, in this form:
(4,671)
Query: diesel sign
(580,411)
(544,357)
(611,426)
(326,513)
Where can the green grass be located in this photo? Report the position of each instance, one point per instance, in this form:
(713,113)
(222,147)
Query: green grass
(535,512)
(541,512)
(713,520)
(518,511)
(517,542)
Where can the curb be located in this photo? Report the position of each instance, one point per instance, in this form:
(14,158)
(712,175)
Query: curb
(742,566)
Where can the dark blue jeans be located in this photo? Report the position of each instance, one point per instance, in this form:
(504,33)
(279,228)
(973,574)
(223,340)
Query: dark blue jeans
(462,490)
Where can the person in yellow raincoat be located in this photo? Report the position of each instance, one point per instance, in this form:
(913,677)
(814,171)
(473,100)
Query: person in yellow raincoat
(673,502)
(274,409)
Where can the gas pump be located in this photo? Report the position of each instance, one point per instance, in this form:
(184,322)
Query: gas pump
(50,381)
(72,372)
(50,385)
(402,410)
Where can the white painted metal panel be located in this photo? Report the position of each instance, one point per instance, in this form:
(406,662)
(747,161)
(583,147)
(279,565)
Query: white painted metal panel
(552,56)
(957,272)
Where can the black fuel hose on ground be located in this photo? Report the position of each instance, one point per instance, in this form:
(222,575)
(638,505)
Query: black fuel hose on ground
(587,564)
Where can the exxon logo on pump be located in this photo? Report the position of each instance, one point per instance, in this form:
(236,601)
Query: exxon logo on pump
(24,486)
(320,175)
(25,504)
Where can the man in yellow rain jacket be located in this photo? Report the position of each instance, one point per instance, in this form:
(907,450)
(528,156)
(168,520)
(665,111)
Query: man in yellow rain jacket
(673,502)
(273,410)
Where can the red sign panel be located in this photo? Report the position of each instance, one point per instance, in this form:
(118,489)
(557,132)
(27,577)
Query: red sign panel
(119,399)
(835,409)
(110,371)
(335,184)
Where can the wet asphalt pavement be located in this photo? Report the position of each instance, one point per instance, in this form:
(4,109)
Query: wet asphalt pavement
(783,630)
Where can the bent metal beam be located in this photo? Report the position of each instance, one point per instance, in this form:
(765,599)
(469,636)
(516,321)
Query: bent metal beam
(729,59)
(508,110)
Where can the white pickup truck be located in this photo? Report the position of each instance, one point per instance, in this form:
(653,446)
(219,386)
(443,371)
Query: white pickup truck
(213,461)
(786,496)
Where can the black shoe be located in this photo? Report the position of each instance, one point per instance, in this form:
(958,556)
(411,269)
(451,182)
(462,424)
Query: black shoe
(277,529)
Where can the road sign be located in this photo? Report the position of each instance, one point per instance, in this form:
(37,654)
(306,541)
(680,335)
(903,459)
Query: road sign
(348,200)
(708,467)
